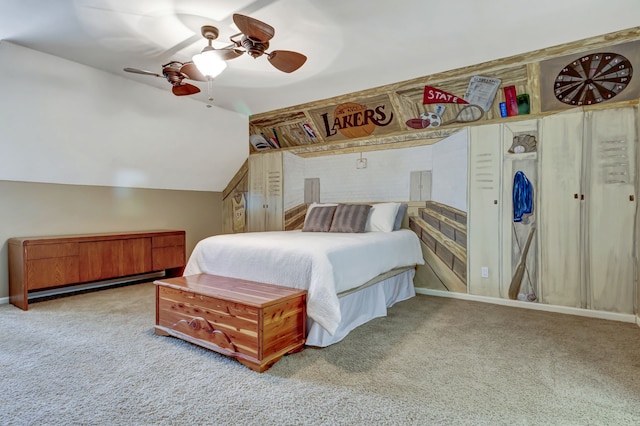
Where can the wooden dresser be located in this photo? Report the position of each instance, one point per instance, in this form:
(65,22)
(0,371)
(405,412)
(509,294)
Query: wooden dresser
(40,263)
(254,322)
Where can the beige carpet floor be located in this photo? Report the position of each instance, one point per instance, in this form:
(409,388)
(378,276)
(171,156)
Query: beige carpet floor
(93,359)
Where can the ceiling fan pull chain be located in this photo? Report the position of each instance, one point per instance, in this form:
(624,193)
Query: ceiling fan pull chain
(210,92)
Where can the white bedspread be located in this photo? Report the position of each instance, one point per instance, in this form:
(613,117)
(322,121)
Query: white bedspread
(323,263)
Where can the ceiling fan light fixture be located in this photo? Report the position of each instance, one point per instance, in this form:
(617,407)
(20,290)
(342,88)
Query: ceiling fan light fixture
(209,63)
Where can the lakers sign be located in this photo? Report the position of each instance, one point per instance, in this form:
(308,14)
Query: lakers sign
(349,120)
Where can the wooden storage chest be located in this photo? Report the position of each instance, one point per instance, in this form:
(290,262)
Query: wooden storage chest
(254,322)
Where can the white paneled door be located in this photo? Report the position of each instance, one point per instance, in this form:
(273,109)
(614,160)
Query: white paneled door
(483,219)
(587,211)
(265,201)
(559,230)
(610,207)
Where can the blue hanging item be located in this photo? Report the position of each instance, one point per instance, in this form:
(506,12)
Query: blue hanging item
(522,196)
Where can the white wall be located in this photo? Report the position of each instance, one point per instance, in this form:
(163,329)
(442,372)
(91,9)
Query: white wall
(450,171)
(63,122)
(387,175)
(293,183)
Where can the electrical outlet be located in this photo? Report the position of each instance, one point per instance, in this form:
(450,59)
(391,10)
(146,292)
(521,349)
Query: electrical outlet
(484,272)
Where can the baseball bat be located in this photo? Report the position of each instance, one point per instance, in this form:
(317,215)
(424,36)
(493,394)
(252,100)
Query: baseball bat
(516,281)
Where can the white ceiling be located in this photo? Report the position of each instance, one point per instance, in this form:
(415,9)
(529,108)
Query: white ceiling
(351,44)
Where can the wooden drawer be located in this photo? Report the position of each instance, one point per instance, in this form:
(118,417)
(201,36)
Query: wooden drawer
(255,323)
(45,251)
(168,252)
(168,241)
(52,272)
(168,257)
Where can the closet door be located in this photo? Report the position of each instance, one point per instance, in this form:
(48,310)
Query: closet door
(610,209)
(483,218)
(559,229)
(255,198)
(274,220)
(264,201)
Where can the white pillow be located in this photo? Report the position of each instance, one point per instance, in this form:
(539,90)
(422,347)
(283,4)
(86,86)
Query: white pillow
(382,217)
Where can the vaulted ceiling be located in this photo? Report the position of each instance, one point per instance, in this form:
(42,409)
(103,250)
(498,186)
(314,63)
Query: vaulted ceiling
(351,45)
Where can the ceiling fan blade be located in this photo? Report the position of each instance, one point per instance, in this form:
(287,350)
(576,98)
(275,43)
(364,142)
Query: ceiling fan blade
(286,60)
(191,71)
(184,89)
(143,72)
(254,28)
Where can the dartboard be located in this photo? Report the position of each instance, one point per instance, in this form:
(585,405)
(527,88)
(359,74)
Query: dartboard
(593,78)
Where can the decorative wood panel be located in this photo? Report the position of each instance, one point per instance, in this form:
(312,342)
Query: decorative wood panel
(238,184)
(406,99)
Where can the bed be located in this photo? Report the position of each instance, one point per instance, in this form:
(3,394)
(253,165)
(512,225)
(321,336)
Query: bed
(350,277)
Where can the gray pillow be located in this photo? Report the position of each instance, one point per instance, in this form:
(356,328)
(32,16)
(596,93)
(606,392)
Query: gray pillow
(319,219)
(350,218)
(401,211)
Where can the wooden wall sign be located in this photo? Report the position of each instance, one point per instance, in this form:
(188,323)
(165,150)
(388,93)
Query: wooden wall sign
(590,77)
(357,119)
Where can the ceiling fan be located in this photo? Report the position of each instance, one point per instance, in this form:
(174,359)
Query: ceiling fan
(252,40)
(175,72)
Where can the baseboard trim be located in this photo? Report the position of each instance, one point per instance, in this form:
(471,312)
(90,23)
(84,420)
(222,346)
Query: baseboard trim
(95,285)
(514,303)
(613,316)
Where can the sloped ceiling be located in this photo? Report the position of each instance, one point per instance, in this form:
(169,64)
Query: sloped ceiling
(351,45)
(63,122)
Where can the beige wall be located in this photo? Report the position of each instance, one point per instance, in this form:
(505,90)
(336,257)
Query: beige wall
(34,209)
